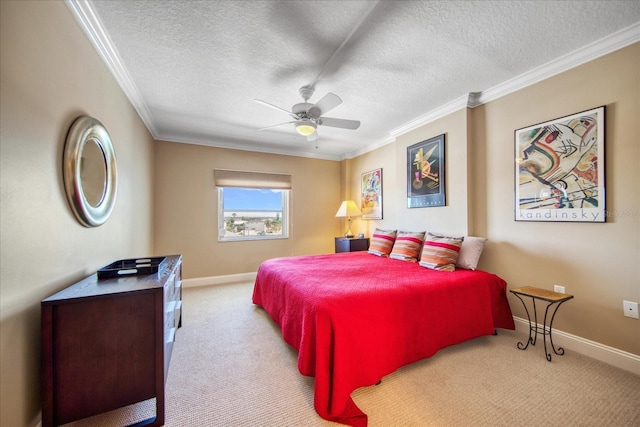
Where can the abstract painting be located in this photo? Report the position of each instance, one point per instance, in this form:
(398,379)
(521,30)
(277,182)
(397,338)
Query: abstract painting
(559,169)
(371,194)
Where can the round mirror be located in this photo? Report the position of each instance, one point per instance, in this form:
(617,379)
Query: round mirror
(89,171)
(93,172)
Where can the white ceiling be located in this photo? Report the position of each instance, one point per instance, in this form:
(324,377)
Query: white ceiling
(193,69)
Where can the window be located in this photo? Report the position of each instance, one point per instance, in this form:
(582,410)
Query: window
(252,205)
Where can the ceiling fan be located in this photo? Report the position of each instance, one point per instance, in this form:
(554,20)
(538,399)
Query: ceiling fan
(307,117)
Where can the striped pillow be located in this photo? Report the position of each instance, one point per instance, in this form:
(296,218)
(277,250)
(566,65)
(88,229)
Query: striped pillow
(407,246)
(440,252)
(382,242)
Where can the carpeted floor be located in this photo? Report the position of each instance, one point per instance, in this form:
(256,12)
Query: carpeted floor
(230,367)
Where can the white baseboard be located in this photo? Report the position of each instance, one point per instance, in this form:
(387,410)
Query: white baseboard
(218,280)
(610,355)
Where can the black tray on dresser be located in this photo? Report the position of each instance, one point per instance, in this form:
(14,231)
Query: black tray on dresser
(133,267)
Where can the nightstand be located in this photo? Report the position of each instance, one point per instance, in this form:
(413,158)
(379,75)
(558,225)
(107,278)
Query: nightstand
(344,244)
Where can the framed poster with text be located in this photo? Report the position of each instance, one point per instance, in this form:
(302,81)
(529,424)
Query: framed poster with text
(559,169)
(426,174)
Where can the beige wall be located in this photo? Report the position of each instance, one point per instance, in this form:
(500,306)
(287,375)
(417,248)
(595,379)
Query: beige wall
(392,158)
(186,208)
(598,263)
(49,75)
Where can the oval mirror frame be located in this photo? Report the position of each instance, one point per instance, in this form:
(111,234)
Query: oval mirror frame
(85,130)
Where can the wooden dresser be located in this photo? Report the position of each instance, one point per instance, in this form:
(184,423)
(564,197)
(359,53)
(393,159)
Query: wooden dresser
(107,343)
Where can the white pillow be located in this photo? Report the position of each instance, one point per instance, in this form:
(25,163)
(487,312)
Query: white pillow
(470,252)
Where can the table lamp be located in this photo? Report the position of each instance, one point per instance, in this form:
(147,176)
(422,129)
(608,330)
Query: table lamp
(348,208)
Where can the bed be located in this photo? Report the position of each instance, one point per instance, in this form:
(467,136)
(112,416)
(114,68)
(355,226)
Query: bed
(355,317)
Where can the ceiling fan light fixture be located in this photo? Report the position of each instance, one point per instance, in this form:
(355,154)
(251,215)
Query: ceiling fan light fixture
(305,128)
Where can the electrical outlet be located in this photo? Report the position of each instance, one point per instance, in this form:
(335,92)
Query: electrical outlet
(630,309)
(558,288)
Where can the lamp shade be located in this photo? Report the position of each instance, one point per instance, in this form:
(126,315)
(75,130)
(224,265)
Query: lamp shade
(348,208)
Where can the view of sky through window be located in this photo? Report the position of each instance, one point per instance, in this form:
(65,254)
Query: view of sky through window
(252,199)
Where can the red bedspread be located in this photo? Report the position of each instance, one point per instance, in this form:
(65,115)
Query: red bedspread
(355,317)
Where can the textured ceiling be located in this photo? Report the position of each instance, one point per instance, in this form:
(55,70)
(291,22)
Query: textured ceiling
(193,69)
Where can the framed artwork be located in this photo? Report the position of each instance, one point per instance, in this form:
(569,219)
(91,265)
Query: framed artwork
(426,173)
(559,169)
(371,194)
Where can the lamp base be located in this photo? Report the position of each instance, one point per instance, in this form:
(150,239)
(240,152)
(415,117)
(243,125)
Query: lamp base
(348,236)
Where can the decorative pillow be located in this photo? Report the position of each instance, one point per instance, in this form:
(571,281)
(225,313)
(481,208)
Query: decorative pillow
(382,242)
(440,252)
(407,246)
(470,252)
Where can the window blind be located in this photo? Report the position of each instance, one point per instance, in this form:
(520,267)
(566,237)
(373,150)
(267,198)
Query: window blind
(233,178)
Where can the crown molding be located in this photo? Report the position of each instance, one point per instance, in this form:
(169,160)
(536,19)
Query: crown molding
(242,145)
(368,148)
(93,28)
(442,111)
(604,46)
(467,101)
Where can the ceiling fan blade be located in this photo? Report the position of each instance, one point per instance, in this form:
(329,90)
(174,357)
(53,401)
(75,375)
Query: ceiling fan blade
(275,107)
(339,123)
(279,124)
(327,103)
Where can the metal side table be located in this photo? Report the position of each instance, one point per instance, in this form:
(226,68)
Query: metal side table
(554,299)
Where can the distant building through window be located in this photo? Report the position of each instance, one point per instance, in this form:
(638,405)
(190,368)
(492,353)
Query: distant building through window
(251,213)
